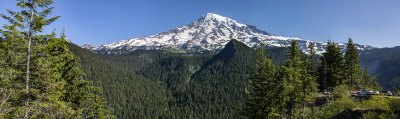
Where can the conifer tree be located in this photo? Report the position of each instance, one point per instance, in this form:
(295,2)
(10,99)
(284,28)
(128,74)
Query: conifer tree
(368,80)
(291,73)
(330,72)
(11,69)
(312,57)
(299,83)
(266,95)
(352,68)
(31,20)
(309,83)
(52,86)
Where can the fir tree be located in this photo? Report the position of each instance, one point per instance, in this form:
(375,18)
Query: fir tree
(312,57)
(352,69)
(265,96)
(298,80)
(11,69)
(368,81)
(52,86)
(330,72)
(291,74)
(31,19)
(309,84)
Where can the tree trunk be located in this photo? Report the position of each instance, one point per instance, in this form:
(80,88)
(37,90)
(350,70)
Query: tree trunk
(28,64)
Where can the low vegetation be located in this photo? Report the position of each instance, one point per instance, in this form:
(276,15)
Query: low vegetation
(44,76)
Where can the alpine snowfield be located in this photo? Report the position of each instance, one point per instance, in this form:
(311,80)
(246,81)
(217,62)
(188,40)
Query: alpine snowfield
(211,32)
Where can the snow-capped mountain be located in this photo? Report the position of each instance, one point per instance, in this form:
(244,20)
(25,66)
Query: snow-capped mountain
(210,32)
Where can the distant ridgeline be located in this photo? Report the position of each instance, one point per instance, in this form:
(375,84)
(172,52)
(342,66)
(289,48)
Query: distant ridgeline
(211,32)
(162,83)
(178,84)
(385,63)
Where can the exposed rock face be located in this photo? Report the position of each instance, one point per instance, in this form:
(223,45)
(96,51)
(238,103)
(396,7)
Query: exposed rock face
(210,32)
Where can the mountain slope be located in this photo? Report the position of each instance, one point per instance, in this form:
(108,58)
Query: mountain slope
(164,84)
(129,94)
(385,63)
(219,87)
(211,32)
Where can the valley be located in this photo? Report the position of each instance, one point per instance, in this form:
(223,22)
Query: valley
(305,65)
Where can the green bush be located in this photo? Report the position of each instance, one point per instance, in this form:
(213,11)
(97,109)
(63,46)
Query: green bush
(335,107)
(394,104)
(384,115)
(341,91)
(376,103)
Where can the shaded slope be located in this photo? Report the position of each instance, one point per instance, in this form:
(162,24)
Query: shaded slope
(218,89)
(385,63)
(131,95)
(164,84)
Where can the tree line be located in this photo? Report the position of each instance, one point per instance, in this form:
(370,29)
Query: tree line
(40,76)
(289,90)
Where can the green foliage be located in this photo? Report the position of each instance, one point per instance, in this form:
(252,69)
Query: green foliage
(129,94)
(12,47)
(376,103)
(217,89)
(381,108)
(334,107)
(369,81)
(161,84)
(282,93)
(40,77)
(376,115)
(377,107)
(383,63)
(394,104)
(352,68)
(341,91)
(298,80)
(312,58)
(175,51)
(266,89)
(330,69)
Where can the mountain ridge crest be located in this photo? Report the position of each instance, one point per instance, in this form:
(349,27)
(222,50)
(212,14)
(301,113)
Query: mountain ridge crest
(210,32)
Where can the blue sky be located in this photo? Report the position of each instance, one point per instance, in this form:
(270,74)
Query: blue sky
(370,22)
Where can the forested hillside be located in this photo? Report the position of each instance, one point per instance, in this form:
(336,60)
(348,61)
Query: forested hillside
(176,84)
(197,71)
(385,63)
(162,83)
(131,95)
(39,76)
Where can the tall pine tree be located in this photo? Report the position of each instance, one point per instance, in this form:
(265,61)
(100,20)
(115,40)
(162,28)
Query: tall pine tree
(298,81)
(330,70)
(39,76)
(312,57)
(11,69)
(266,95)
(352,68)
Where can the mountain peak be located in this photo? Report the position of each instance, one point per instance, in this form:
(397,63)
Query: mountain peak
(218,20)
(90,46)
(216,16)
(211,32)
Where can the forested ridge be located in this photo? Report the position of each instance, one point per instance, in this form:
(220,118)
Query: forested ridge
(45,76)
(166,84)
(177,85)
(384,63)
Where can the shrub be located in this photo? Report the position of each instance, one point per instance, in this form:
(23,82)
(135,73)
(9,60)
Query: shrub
(341,91)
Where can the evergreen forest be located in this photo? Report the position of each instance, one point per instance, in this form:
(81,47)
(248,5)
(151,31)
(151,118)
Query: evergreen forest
(46,76)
